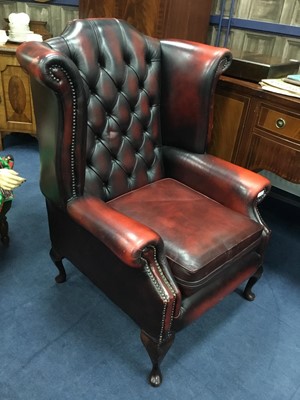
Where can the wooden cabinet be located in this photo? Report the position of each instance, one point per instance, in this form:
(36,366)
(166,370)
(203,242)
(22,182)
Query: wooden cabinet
(182,19)
(257,129)
(16,108)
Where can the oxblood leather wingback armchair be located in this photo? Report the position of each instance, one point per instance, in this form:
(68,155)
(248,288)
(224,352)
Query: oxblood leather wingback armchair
(133,200)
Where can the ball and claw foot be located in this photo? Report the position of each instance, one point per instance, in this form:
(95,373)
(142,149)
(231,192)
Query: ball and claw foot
(157,351)
(249,295)
(155,377)
(61,277)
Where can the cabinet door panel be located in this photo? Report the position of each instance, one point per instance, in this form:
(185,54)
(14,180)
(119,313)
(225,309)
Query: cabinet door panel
(16,113)
(143,15)
(182,19)
(229,118)
(96,8)
(16,107)
(282,159)
(185,19)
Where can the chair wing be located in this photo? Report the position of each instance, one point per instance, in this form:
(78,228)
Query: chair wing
(134,202)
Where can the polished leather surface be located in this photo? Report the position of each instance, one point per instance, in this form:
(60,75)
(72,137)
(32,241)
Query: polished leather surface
(133,90)
(188,84)
(127,239)
(119,88)
(133,201)
(131,288)
(201,237)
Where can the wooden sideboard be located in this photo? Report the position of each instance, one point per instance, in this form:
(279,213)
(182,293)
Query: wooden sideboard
(16,108)
(181,19)
(257,129)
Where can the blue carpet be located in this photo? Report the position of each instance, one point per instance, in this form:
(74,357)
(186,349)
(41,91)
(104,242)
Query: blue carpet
(69,342)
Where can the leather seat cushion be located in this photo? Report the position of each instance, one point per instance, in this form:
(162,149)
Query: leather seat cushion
(200,235)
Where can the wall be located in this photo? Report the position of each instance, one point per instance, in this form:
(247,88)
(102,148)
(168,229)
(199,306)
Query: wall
(56,16)
(282,16)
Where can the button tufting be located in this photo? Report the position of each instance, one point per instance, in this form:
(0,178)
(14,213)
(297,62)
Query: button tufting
(148,59)
(127,59)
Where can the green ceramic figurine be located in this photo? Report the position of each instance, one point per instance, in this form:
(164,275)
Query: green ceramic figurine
(9,179)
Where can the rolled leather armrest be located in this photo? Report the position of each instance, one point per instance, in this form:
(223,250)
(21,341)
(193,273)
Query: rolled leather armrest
(47,66)
(124,236)
(231,185)
(61,117)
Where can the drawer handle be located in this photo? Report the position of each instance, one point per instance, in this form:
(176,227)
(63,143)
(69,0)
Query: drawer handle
(280,123)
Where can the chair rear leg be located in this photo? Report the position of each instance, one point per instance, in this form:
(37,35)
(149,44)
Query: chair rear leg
(157,352)
(248,294)
(57,259)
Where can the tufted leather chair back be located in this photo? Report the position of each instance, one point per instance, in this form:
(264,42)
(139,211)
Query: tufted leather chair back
(108,100)
(120,71)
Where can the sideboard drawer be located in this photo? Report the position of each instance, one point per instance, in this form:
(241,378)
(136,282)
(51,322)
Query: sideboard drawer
(257,129)
(279,122)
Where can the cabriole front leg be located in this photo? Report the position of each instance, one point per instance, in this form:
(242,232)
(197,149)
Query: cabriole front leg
(57,259)
(248,294)
(157,352)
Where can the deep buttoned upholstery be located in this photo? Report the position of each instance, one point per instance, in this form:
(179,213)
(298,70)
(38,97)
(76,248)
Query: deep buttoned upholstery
(133,200)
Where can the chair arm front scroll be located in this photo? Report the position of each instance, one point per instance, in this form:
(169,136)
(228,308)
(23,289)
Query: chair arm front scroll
(60,106)
(38,59)
(125,237)
(231,185)
(134,244)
